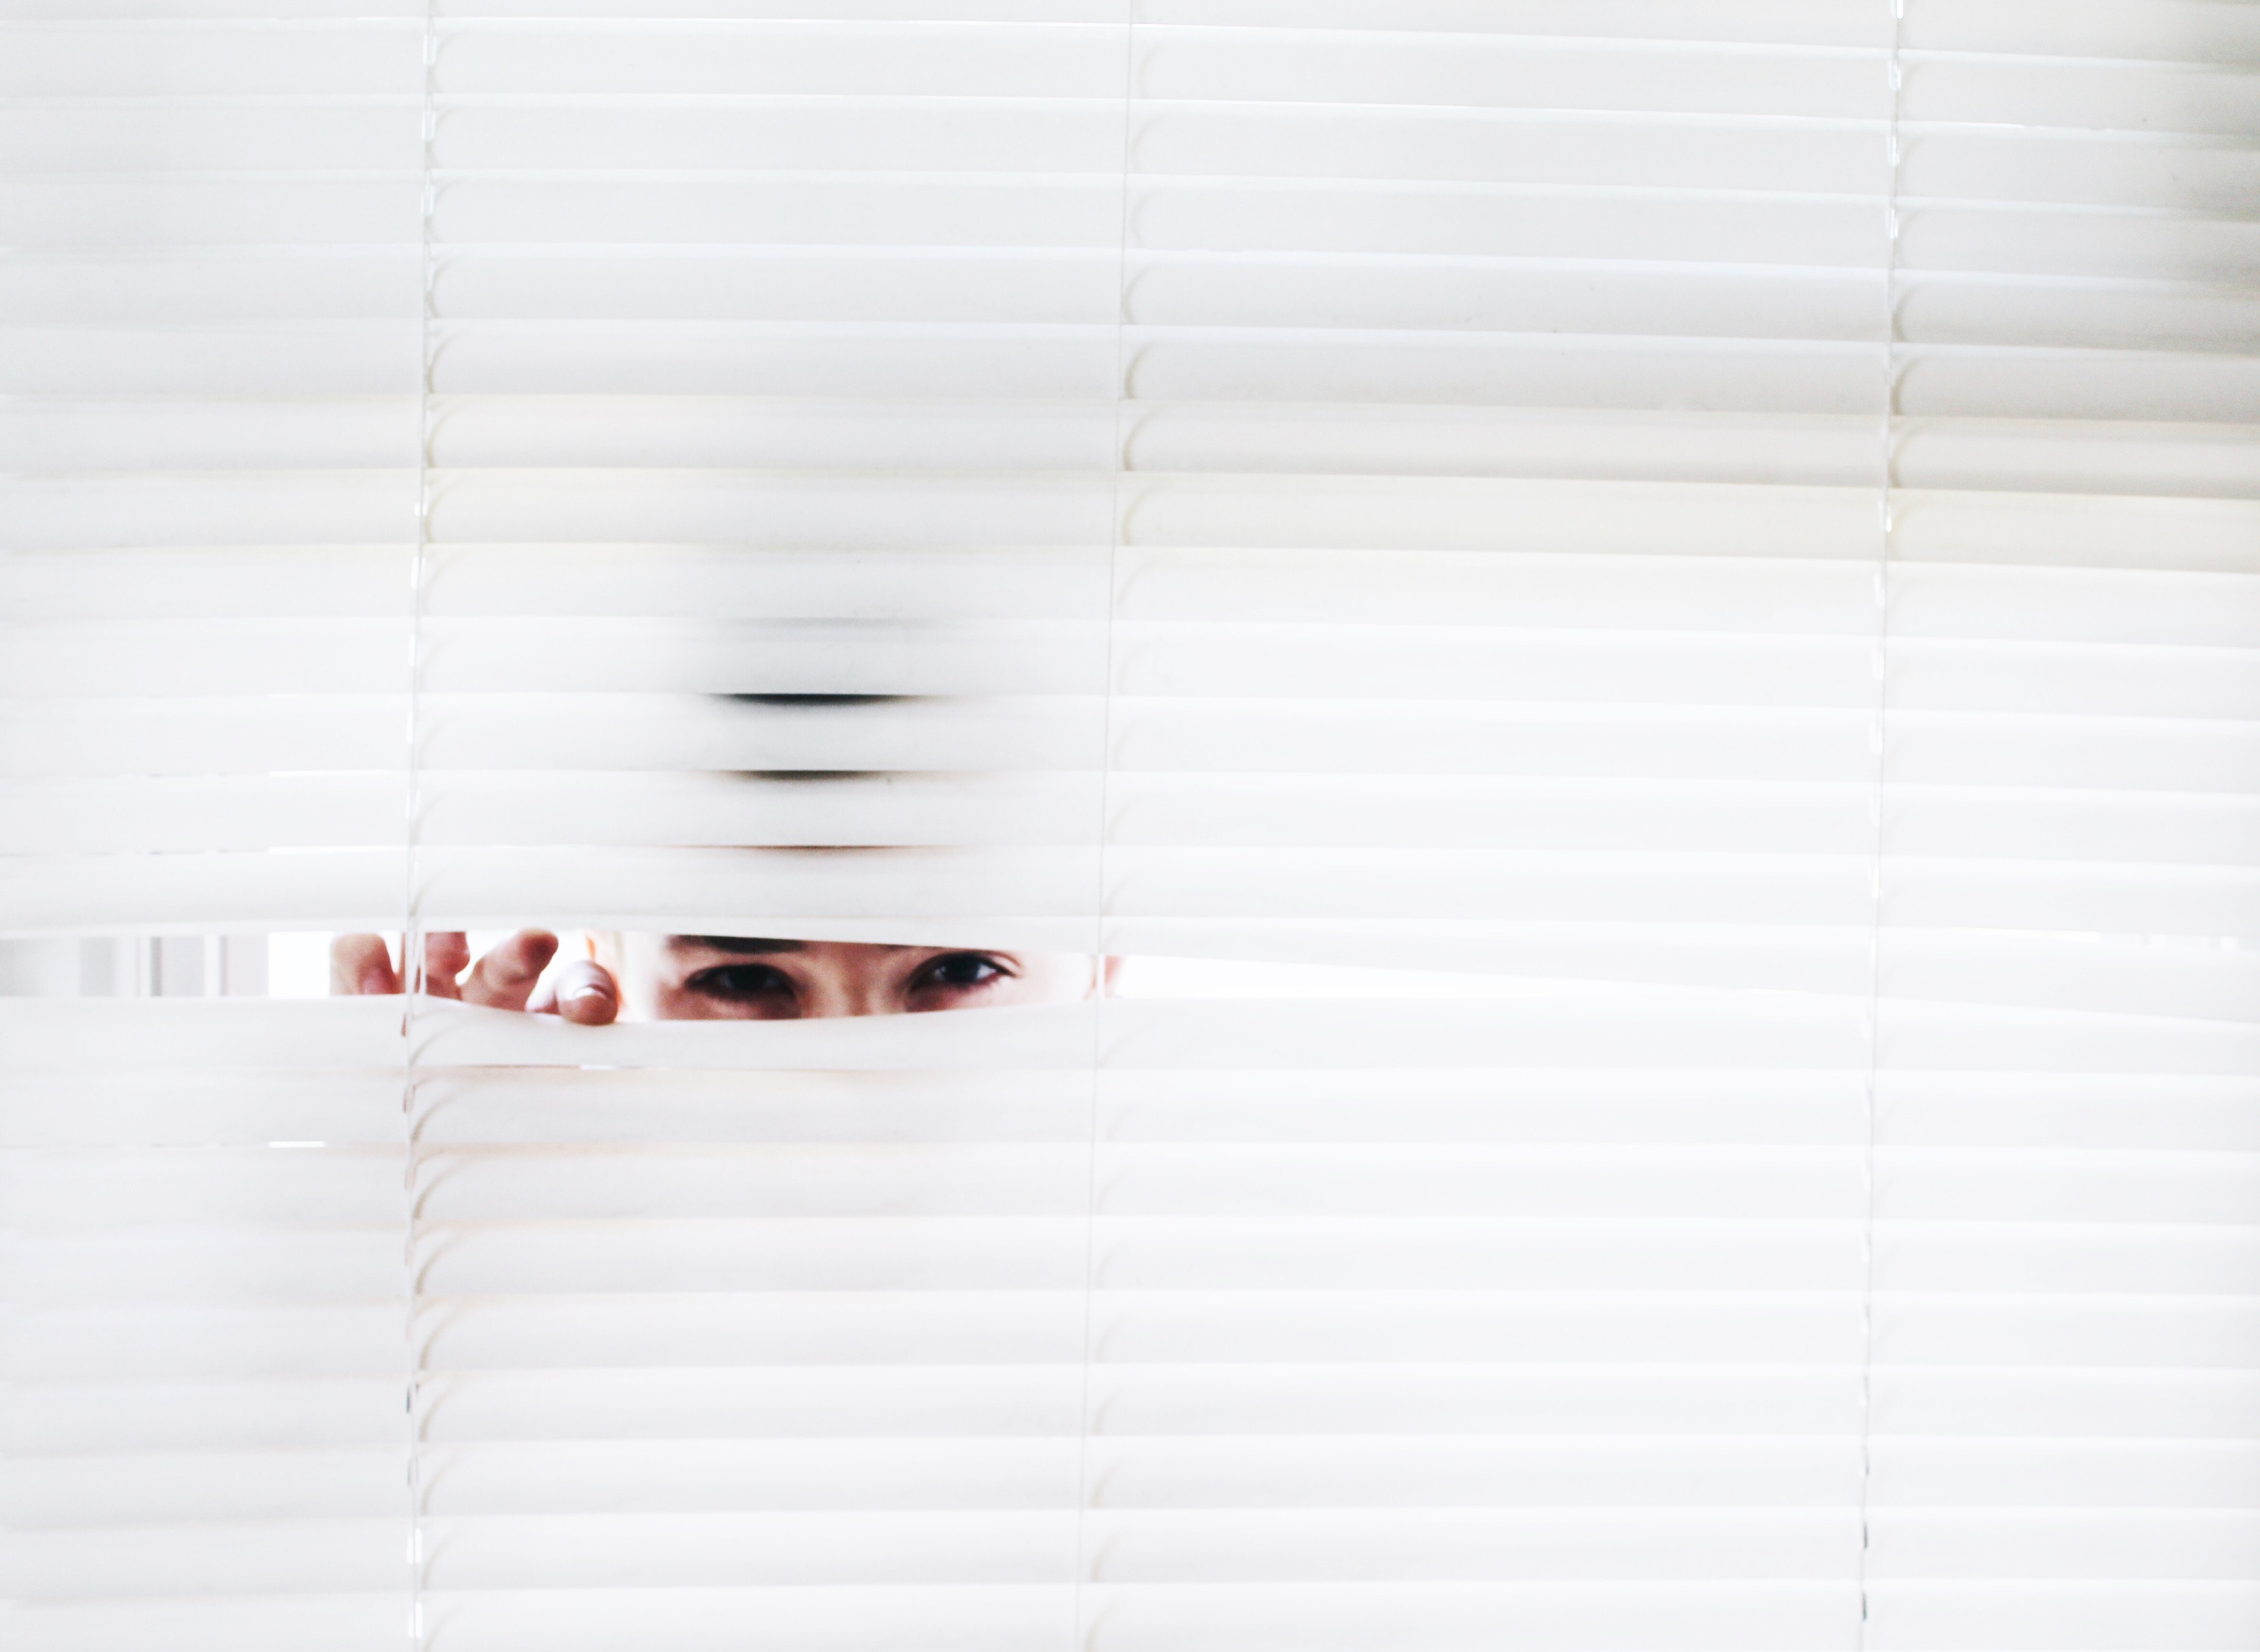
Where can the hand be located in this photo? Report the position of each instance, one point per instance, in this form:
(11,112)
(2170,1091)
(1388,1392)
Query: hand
(506,979)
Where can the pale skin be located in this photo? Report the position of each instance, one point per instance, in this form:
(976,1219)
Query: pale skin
(715,978)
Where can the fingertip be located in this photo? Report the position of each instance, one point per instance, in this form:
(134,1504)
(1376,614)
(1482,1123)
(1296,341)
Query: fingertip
(447,953)
(528,952)
(360,966)
(587,995)
(590,1004)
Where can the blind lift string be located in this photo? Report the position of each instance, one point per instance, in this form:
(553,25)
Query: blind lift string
(411,942)
(1878,716)
(1118,462)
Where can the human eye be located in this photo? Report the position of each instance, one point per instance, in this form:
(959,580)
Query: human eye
(943,982)
(741,984)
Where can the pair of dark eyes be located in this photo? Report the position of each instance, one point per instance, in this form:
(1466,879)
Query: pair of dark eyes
(952,972)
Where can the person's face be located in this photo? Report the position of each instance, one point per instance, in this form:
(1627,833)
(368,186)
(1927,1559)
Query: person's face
(716,978)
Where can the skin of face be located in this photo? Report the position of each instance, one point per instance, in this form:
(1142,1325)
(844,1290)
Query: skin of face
(710,977)
(714,978)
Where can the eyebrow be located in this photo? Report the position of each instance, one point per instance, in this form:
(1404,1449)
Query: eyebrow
(746,945)
(756,945)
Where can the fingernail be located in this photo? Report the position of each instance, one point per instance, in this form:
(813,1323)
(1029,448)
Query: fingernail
(579,995)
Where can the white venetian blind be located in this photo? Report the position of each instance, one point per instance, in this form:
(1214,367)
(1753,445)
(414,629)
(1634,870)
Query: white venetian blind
(1733,523)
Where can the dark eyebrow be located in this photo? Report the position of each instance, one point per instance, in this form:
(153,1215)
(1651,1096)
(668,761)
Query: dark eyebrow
(745,946)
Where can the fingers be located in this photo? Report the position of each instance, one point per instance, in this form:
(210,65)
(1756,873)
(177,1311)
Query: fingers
(583,993)
(445,952)
(361,966)
(505,977)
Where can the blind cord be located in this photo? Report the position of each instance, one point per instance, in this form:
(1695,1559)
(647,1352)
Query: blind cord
(412,939)
(1878,745)
(1118,461)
